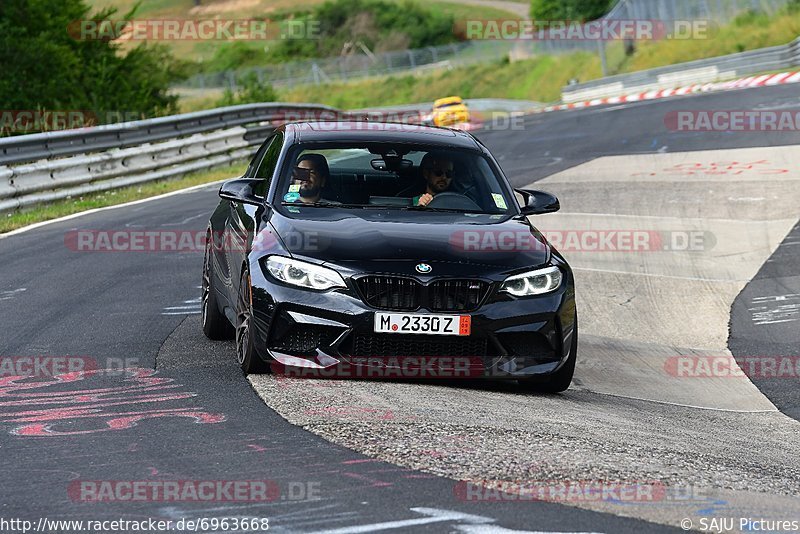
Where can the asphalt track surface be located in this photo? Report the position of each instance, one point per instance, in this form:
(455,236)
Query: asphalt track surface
(364,463)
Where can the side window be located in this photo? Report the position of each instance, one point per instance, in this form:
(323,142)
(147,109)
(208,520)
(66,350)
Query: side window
(266,168)
(253,163)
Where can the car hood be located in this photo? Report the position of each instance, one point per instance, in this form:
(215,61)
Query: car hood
(373,241)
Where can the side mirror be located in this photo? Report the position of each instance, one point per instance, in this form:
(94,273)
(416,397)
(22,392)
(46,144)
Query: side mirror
(242,190)
(538,202)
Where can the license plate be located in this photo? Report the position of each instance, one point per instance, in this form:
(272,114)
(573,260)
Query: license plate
(417,323)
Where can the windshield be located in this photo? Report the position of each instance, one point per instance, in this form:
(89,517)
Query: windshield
(392,176)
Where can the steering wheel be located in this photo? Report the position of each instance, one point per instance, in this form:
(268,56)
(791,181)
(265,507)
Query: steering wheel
(453,201)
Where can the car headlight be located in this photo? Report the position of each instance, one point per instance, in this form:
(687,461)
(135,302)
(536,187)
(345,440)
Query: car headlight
(535,282)
(303,274)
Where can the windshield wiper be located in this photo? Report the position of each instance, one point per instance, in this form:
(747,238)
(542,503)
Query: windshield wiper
(338,205)
(322,205)
(449,210)
(381,206)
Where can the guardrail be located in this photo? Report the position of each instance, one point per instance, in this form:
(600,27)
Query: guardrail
(54,165)
(82,140)
(700,71)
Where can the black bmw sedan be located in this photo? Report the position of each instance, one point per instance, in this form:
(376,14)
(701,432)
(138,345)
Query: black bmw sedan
(381,250)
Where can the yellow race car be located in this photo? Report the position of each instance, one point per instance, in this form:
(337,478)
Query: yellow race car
(449,111)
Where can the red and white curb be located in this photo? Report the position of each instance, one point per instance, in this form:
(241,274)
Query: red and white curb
(742,83)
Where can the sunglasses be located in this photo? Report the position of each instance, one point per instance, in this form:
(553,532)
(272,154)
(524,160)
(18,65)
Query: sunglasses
(300,173)
(442,172)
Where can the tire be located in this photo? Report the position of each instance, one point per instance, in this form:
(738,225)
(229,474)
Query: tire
(561,379)
(246,355)
(215,325)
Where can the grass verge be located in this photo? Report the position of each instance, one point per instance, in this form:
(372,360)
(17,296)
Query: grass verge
(60,208)
(541,78)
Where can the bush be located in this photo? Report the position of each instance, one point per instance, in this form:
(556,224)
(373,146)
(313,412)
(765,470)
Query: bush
(379,24)
(230,56)
(250,90)
(569,10)
(751,17)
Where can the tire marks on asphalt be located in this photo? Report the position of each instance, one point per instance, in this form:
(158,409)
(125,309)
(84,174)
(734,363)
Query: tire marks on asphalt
(764,326)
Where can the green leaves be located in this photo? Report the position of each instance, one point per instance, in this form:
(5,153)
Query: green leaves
(380,24)
(46,65)
(250,90)
(569,10)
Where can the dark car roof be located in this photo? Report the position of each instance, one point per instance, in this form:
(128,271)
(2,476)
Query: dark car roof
(379,132)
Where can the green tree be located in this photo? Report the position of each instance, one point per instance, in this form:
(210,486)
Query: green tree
(379,24)
(46,65)
(569,10)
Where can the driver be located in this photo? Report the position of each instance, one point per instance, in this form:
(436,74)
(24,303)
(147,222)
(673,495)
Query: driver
(437,169)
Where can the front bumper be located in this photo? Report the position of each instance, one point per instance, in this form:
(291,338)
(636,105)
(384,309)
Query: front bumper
(330,334)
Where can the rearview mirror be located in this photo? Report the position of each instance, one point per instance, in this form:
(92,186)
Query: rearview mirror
(242,190)
(391,164)
(538,202)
